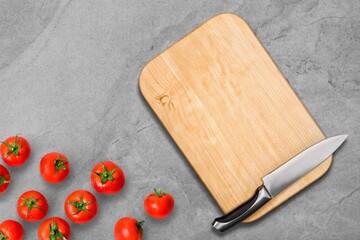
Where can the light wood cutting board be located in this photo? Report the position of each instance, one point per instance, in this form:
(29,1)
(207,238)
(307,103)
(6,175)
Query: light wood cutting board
(230,110)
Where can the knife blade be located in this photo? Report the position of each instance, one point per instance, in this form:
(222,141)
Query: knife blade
(281,178)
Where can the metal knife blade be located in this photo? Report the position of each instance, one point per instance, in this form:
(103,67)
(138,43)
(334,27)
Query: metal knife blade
(285,175)
(280,179)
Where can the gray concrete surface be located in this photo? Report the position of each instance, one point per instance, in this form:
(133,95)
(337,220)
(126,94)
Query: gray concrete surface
(69,82)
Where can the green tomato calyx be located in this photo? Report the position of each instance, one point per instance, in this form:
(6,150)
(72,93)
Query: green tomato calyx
(59,164)
(2,236)
(13,148)
(106,175)
(158,192)
(54,231)
(80,205)
(139,225)
(31,203)
(3,181)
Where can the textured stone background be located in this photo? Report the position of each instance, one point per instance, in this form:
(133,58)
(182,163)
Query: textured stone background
(69,82)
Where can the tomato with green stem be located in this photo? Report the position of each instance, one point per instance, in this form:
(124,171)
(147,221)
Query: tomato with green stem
(54,167)
(4,179)
(159,204)
(107,178)
(32,206)
(54,228)
(81,206)
(128,228)
(11,230)
(15,151)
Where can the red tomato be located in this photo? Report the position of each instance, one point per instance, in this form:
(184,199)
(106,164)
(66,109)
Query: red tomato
(11,230)
(54,228)
(159,204)
(15,151)
(81,206)
(4,179)
(107,178)
(128,229)
(54,167)
(32,206)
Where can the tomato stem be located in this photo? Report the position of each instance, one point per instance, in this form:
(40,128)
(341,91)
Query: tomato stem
(3,181)
(106,175)
(158,192)
(139,225)
(2,236)
(13,148)
(31,203)
(80,205)
(59,164)
(54,231)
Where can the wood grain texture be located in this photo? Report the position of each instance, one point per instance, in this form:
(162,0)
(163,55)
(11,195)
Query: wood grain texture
(230,110)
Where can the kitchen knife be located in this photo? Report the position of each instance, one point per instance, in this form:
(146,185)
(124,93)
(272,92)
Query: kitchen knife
(280,179)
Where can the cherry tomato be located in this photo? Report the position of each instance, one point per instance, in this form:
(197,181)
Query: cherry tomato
(54,167)
(11,230)
(4,179)
(54,228)
(81,206)
(159,204)
(32,206)
(15,151)
(107,178)
(128,229)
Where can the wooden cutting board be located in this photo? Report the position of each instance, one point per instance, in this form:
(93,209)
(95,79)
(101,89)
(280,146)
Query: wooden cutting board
(230,110)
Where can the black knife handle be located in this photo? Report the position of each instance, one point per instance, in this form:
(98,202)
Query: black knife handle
(240,213)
